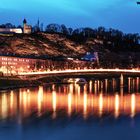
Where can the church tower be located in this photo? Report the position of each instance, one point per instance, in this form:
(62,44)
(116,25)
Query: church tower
(38,23)
(24,25)
(24,21)
(27,29)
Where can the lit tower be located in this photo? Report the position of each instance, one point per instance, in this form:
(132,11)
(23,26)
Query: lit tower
(24,25)
(38,23)
(27,29)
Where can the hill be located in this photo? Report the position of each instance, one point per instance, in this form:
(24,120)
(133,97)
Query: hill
(44,44)
(60,45)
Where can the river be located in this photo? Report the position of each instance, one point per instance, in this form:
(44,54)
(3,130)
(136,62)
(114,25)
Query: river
(106,109)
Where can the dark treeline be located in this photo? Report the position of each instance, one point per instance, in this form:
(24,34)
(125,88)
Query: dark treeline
(112,39)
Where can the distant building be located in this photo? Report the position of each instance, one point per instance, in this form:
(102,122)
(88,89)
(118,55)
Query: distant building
(15,65)
(11,30)
(27,29)
(90,56)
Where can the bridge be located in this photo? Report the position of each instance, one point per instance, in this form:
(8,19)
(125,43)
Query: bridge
(80,73)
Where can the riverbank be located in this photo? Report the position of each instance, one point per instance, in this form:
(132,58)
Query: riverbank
(13,82)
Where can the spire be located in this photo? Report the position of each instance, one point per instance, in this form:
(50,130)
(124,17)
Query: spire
(38,22)
(24,21)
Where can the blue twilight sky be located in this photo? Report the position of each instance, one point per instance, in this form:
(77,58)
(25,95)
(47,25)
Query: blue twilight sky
(119,14)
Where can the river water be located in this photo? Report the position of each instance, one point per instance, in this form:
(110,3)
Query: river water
(106,109)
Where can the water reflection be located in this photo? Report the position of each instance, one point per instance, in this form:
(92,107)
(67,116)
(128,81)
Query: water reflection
(4,107)
(85,102)
(97,98)
(133,105)
(40,100)
(100,105)
(54,96)
(69,104)
(116,114)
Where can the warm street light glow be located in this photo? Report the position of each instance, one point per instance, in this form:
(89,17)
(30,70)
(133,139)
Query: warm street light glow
(69,104)
(54,104)
(81,71)
(40,99)
(133,105)
(100,104)
(84,104)
(116,106)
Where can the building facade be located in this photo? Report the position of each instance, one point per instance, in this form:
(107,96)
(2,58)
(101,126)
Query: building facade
(11,30)
(15,65)
(27,29)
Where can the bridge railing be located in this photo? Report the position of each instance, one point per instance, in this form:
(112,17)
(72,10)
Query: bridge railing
(82,71)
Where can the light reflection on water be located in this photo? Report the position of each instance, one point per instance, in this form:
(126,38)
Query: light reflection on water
(73,111)
(97,98)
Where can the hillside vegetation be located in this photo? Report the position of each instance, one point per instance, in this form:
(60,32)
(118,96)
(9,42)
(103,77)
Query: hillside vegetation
(60,45)
(44,44)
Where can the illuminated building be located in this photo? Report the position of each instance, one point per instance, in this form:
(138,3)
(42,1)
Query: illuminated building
(27,29)
(11,30)
(14,65)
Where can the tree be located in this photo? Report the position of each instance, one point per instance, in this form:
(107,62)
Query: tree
(70,30)
(41,27)
(36,29)
(88,32)
(53,28)
(64,30)
(7,25)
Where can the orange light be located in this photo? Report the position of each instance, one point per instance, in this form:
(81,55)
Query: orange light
(54,98)
(100,104)
(69,104)
(51,101)
(116,106)
(40,99)
(85,106)
(133,105)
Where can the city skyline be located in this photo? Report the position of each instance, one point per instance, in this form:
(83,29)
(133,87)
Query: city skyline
(118,14)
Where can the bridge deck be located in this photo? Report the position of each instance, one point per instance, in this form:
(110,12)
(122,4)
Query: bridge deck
(79,73)
(82,71)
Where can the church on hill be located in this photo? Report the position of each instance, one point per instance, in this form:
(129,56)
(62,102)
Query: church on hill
(27,29)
